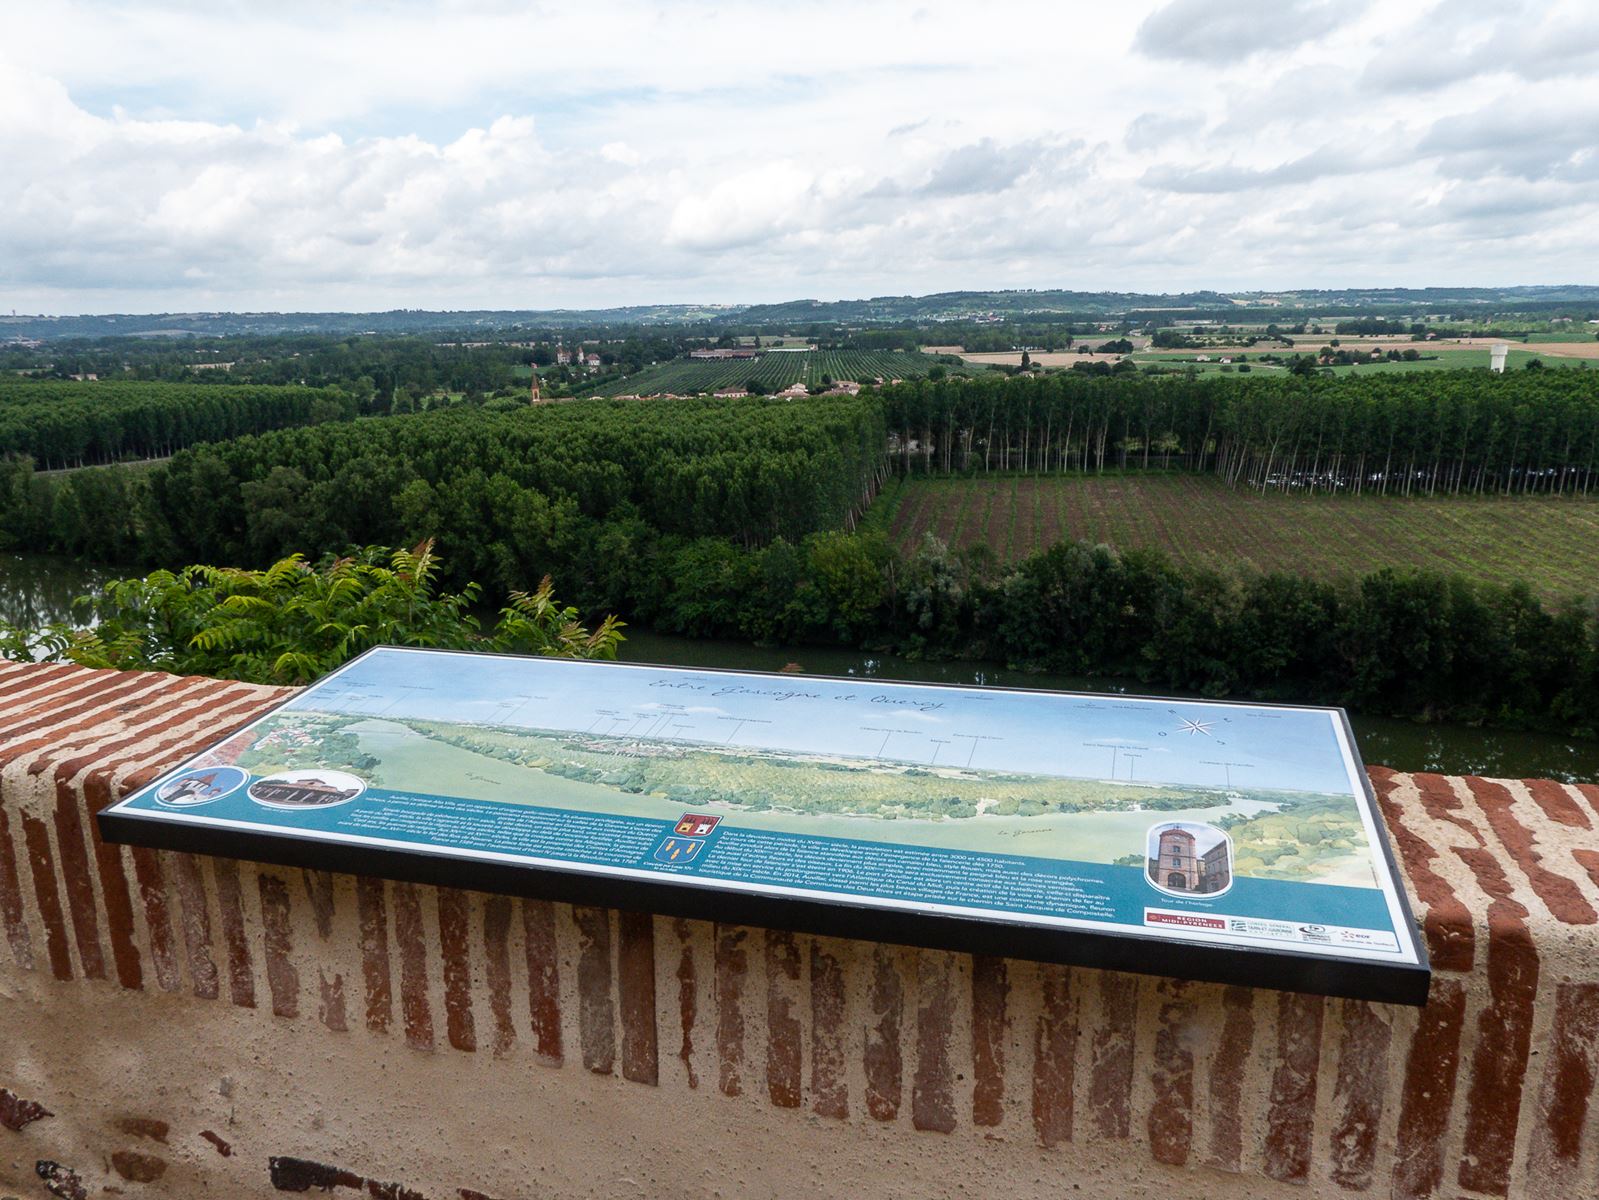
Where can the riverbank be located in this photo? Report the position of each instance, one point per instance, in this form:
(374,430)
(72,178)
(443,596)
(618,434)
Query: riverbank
(37,589)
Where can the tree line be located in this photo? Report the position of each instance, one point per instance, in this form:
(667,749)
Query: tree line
(74,424)
(1412,644)
(1438,432)
(579,490)
(739,519)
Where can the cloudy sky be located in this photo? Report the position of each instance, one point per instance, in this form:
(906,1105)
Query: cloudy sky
(166,156)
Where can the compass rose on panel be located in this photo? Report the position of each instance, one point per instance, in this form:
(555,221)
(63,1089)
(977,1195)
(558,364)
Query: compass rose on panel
(1193,727)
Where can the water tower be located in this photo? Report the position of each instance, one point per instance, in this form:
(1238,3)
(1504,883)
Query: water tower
(1496,357)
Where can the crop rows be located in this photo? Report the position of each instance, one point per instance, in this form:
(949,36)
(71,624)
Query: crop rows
(774,371)
(1550,544)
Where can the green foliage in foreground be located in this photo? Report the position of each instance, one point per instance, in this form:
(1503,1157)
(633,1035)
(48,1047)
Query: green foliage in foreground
(293,622)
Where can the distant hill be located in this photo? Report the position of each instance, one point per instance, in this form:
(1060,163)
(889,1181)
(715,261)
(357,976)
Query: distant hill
(975,306)
(402,320)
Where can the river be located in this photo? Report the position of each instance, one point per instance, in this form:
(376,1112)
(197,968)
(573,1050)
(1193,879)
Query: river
(36,589)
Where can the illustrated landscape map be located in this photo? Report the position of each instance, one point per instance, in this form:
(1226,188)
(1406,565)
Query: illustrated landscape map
(1234,825)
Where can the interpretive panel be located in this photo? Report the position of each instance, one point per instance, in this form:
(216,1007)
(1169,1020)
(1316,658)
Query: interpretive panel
(1230,842)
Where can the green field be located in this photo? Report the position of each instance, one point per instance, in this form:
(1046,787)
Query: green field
(774,371)
(1551,544)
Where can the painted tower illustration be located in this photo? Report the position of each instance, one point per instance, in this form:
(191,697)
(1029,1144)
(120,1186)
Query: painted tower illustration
(1181,867)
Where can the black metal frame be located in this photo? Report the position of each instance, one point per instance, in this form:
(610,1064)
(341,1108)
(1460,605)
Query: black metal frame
(1144,953)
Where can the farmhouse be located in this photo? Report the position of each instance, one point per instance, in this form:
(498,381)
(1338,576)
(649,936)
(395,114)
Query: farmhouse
(718,355)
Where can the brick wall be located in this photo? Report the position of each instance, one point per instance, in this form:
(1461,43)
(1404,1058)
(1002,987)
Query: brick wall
(178,1025)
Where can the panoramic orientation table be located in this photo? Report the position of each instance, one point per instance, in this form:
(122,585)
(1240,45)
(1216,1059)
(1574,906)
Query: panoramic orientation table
(1236,843)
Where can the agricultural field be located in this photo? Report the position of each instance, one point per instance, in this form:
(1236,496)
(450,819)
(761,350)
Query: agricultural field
(1550,543)
(773,371)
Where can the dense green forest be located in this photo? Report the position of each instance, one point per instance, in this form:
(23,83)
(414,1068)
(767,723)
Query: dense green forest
(1400,643)
(1445,432)
(71,424)
(739,519)
(576,489)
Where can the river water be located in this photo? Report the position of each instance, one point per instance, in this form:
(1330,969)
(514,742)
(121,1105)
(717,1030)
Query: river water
(36,589)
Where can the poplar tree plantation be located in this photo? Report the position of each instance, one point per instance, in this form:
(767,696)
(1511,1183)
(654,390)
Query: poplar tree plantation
(744,518)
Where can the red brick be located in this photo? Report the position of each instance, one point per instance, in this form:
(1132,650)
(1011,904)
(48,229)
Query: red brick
(1590,793)
(11,912)
(1171,1116)
(162,755)
(687,999)
(731,967)
(1504,1034)
(543,979)
(455,944)
(330,984)
(319,891)
(196,914)
(159,715)
(411,938)
(43,866)
(283,980)
(230,902)
(1557,803)
(783,1046)
(118,899)
(1291,1116)
(1588,860)
(933,1085)
(596,1012)
(1227,1071)
(829,1087)
(990,1034)
(1428,1092)
(1447,923)
(75,875)
(1054,1056)
(1438,797)
(53,725)
(635,992)
(373,918)
(885,1063)
(1110,1078)
(1568,1083)
(1560,895)
(157,918)
(1358,1093)
(497,969)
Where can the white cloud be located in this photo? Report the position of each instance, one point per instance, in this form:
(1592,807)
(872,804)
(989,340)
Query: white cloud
(330,156)
(1223,31)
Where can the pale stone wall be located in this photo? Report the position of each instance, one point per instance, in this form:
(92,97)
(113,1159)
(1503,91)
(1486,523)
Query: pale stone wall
(176,1025)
